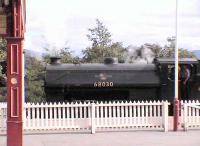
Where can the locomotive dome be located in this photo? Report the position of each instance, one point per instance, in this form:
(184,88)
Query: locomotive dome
(110,60)
(55,60)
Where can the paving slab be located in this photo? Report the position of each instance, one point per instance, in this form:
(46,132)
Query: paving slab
(133,138)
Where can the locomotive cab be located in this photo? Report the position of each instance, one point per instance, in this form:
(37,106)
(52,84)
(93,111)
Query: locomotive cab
(189,86)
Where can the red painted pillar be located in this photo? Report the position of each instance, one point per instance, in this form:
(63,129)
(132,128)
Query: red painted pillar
(176,114)
(15,27)
(176,105)
(14,92)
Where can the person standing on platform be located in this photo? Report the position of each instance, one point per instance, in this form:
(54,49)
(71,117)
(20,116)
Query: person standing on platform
(185,85)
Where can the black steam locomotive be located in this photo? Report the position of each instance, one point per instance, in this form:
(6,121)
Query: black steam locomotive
(120,81)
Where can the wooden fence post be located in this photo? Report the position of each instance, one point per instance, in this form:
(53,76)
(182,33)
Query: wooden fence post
(24,116)
(165,116)
(185,116)
(93,126)
(1,117)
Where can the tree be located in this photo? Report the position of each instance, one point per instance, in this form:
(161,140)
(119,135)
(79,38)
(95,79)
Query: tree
(155,48)
(169,50)
(100,36)
(2,74)
(102,45)
(34,90)
(2,53)
(184,53)
(117,50)
(64,53)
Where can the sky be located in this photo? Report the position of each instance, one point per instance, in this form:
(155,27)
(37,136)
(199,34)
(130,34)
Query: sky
(55,24)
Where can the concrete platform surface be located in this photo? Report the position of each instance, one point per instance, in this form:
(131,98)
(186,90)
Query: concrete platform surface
(133,138)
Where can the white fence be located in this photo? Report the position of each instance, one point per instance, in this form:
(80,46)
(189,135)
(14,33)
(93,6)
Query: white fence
(101,116)
(3,116)
(190,114)
(140,115)
(93,116)
(57,116)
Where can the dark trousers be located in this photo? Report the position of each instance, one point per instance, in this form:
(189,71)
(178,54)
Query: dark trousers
(185,91)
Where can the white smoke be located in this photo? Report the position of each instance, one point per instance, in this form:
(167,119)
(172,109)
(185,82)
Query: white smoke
(148,54)
(142,55)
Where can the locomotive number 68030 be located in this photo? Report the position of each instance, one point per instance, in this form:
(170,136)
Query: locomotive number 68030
(103,84)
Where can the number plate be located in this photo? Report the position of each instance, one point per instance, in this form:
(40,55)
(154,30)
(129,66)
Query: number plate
(103,84)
